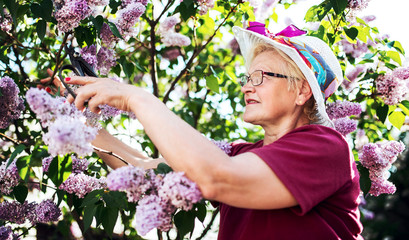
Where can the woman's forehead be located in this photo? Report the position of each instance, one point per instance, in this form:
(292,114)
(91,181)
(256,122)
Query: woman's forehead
(267,61)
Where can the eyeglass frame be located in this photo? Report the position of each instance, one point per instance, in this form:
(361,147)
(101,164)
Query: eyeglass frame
(247,78)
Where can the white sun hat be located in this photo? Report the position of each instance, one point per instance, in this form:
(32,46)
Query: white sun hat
(312,55)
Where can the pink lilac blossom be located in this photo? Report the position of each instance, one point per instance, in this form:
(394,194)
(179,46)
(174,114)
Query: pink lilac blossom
(67,135)
(106,60)
(127,18)
(16,212)
(127,2)
(358,4)
(70,14)
(130,179)
(391,88)
(106,36)
(153,212)
(9,177)
(180,191)
(89,54)
(223,145)
(47,211)
(341,109)
(345,125)
(81,184)
(11,105)
(205,5)
(352,76)
(378,158)
(79,165)
(168,35)
(6,22)
(401,73)
(46,163)
(355,50)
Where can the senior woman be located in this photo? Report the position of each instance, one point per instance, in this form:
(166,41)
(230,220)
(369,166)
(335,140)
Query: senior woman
(299,182)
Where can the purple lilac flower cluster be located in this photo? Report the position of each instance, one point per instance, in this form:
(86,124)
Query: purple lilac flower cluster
(67,131)
(7,234)
(205,5)
(378,159)
(128,15)
(339,112)
(353,76)
(355,49)
(81,184)
(6,22)
(69,13)
(158,196)
(11,104)
(168,35)
(89,54)
(9,177)
(223,145)
(393,86)
(263,10)
(106,59)
(15,212)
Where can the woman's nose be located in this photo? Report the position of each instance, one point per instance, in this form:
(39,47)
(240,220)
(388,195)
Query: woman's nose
(248,87)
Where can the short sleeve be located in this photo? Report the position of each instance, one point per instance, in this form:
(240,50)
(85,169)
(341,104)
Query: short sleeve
(312,162)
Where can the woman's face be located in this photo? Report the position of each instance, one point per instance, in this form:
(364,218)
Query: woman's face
(270,103)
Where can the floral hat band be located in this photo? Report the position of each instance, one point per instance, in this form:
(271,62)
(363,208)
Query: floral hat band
(325,77)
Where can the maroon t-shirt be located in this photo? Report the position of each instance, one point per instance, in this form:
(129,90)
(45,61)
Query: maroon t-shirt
(315,164)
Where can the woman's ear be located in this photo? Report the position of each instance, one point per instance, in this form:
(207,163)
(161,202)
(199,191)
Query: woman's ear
(304,93)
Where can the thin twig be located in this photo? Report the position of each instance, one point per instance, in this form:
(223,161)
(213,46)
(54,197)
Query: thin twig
(194,55)
(10,139)
(209,226)
(110,153)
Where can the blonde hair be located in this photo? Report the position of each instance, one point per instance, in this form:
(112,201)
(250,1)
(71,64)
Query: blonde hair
(289,68)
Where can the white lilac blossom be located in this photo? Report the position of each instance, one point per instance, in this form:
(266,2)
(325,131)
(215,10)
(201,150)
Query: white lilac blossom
(9,177)
(153,212)
(393,86)
(223,145)
(129,179)
(180,191)
(67,135)
(378,158)
(81,184)
(11,104)
(345,125)
(6,22)
(168,35)
(106,60)
(89,54)
(341,109)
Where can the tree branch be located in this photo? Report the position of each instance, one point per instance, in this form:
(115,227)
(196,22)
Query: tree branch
(209,226)
(196,52)
(10,139)
(110,153)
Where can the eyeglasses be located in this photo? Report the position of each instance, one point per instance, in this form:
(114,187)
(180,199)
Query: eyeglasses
(257,77)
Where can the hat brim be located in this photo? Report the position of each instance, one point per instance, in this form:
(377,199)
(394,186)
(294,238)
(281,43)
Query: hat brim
(248,39)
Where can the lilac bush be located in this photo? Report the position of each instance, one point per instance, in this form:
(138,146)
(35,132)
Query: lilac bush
(11,104)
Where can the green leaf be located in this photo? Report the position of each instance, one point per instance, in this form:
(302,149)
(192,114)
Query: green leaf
(114,30)
(364,181)
(97,21)
(22,10)
(398,46)
(382,112)
(41,29)
(404,105)
(397,119)
(163,168)
(12,6)
(186,10)
(89,212)
(212,83)
(394,56)
(339,5)
(65,168)
(16,151)
(23,167)
(43,10)
(352,32)
(20,193)
(201,211)
(128,68)
(115,199)
(184,222)
(109,219)
(92,197)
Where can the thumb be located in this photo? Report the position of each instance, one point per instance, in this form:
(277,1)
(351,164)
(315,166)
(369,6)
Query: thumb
(50,72)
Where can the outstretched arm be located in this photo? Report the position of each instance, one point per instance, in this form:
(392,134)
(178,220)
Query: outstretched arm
(242,181)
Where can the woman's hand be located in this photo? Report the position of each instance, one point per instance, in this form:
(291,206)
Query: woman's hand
(99,91)
(52,87)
